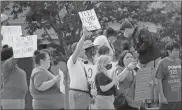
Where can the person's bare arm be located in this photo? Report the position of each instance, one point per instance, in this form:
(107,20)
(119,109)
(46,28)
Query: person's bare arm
(79,46)
(107,87)
(41,83)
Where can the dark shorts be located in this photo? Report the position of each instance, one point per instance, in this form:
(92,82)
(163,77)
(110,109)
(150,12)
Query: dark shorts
(170,106)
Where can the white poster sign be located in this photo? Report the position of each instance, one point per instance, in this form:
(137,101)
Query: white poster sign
(89,19)
(8,32)
(11,30)
(62,86)
(24,46)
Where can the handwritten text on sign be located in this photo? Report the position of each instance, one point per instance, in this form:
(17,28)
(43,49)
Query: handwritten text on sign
(142,84)
(9,32)
(24,46)
(89,19)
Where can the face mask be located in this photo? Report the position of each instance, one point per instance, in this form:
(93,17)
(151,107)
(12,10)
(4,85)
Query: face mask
(108,66)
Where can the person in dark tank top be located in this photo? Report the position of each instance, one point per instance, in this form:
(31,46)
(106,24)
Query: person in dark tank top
(105,84)
(44,86)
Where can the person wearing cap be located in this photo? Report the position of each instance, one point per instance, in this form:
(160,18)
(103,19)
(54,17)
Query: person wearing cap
(4,19)
(90,67)
(147,50)
(79,97)
(102,40)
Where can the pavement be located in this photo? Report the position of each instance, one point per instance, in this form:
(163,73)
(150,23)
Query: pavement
(152,108)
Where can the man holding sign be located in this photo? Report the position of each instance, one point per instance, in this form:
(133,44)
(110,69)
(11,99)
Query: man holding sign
(79,93)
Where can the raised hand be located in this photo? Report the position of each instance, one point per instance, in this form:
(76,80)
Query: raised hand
(86,33)
(132,65)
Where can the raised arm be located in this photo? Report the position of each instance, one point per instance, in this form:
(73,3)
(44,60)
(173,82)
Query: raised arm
(79,46)
(9,63)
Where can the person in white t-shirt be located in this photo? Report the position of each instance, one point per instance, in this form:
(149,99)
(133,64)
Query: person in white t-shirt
(90,68)
(79,97)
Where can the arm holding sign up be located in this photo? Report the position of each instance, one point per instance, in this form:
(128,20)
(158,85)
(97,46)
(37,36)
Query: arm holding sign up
(7,59)
(79,46)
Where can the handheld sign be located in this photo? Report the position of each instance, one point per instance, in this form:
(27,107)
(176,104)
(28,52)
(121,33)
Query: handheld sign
(8,32)
(89,19)
(24,46)
(62,86)
(142,84)
(11,30)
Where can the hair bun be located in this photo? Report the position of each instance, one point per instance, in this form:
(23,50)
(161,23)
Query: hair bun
(36,52)
(5,46)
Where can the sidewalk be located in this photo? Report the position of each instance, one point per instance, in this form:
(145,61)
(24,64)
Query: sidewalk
(153,108)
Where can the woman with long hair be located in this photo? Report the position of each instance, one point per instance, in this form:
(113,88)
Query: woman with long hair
(105,84)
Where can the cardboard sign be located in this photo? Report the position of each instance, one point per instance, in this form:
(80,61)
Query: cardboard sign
(89,19)
(8,32)
(24,46)
(142,84)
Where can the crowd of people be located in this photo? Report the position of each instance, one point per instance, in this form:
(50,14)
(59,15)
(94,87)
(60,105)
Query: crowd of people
(101,73)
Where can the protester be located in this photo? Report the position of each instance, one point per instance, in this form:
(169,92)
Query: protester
(105,84)
(146,51)
(44,86)
(90,67)
(15,86)
(169,78)
(103,50)
(79,92)
(126,72)
(102,40)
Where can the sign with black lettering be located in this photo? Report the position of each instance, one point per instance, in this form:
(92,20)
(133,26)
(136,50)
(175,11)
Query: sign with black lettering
(89,19)
(24,46)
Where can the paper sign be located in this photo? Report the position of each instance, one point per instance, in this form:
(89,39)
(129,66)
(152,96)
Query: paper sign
(24,46)
(62,86)
(8,39)
(89,19)
(142,84)
(9,32)
(15,30)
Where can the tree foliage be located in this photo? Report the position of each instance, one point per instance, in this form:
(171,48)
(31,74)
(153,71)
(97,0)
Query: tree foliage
(63,18)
